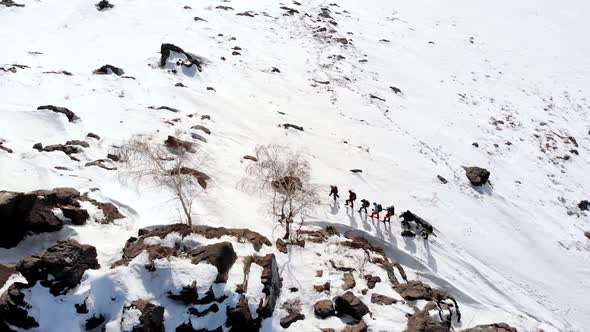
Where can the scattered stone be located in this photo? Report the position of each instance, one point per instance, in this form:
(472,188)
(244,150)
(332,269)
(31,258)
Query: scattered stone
(205,117)
(372,280)
(224,8)
(275,70)
(6,271)
(202,128)
(396,90)
(477,176)
(174,143)
(584,205)
(2,147)
(442,180)
(372,96)
(101,163)
(356,170)
(323,288)
(109,210)
(289,125)
(166,51)
(319,273)
(236,53)
(78,142)
(81,308)
(10,3)
(349,304)
(60,267)
(109,70)
(496,327)
(359,327)
(382,299)
(180,85)
(475,144)
(254,159)
(198,137)
(201,177)
(197,19)
(291,318)
(587,234)
(173,110)
(290,11)
(210,88)
(103,5)
(421,321)
(59,72)
(69,114)
(92,135)
(349,281)
(246,13)
(282,246)
(341,40)
(240,319)
(114,157)
(324,308)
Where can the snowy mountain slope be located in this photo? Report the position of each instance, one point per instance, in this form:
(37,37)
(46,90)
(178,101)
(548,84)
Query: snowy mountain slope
(508,253)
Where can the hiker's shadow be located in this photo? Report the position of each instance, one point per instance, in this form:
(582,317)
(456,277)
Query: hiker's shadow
(431,259)
(410,242)
(350,214)
(334,208)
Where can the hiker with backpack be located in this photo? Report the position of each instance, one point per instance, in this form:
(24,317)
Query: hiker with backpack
(351,198)
(364,205)
(334,192)
(426,231)
(390,211)
(377,208)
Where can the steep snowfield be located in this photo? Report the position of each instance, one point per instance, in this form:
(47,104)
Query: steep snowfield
(511,76)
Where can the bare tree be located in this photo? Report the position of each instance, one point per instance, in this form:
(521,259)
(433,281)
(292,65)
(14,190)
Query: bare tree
(283,175)
(169,168)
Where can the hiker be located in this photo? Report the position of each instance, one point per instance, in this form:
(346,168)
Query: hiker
(351,199)
(377,208)
(390,211)
(334,191)
(426,231)
(364,205)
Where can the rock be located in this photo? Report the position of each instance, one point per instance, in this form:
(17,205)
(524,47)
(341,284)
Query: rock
(60,267)
(101,163)
(224,8)
(323,288)
(291,318)
(198,137)
(180,85)
(414,290)
(94,322)
(202,128)
(349,281)
(319,273)
(108,70)
(77,215)
(176,144)
(151,319)
(349,304)
(382,299)
(290,125)
(442,180)
(356,170)
(221,255)
(496,327)
(587,234)
(167,108)
(271,280)
(2,147)
(324,308)
(6,271)
(293,289)
(254,159)
(584,205)
(212,308)
(396,90)
(104,5)
(93,135)
(421,321)
(167,50)
(257,240)
(58,72)
(281,246)
(13,308)
(81,308)
(239,318)
(246,13)
(78,142)
(69,114)
(67,149)
(201,177)
(114,157)
(372,280)
(109,210)
(477,176)
(359,327)
(359,242)
(197,19)
(376,97)
(275,70)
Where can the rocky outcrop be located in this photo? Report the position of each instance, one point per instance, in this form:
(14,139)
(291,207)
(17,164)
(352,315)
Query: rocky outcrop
(324,308)
(239,318)
(382,299)
(167,50)
(281,246)
(477,176)
(176,144)
(62,110)
(109,70)
(291,318)
(13,308)
(584,205)
(421,321)
(349,304)
(221,255)
(60,267)
(271,280)
(151,319)
(496,327)
(6,271)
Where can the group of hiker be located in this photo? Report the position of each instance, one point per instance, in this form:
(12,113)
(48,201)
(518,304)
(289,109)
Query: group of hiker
(426,229)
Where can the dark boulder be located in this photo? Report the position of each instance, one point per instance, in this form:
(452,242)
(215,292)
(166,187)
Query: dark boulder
(221,255)
(372,280)
(239,318)
(359,327)
(421,321)
(108,70)
(281,246)
(60,267)
(349,281)
(324,308)
(477,176)
(13,308)
(584,205)
(94,322)
(271,280)
(167,50)
(382,299)
(291,318)
(151,319)
(78,216)
(176,144)
(104,5)
(349,304)
(69,114)
(201,177)
(6,271)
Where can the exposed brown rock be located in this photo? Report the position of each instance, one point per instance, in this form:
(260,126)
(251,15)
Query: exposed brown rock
(324,308)
(382,299)
(281,246)
(372,280)
(349,304)
(323,288)
(221,255)
(13,308)
(496,327)
(6,271)
(359,327)
(477,176)
(69,114)
(349,281)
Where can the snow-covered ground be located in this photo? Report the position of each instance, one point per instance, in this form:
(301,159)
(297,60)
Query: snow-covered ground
(511,76)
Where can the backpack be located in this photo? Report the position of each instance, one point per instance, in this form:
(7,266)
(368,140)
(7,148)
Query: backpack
(352,196)
(391,210)
(366,203)
(379,208)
